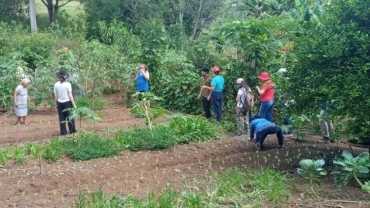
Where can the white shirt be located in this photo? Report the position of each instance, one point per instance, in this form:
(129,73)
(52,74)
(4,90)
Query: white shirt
(242,92)
(61,91)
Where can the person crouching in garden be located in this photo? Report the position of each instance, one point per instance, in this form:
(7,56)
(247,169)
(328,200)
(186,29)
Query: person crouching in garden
(205,94)
(21,99)
(267,93)
(242,117)
(64,100)
(262,128)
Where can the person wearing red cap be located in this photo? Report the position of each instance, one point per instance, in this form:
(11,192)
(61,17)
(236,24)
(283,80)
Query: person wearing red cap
(217,86)
(267,93)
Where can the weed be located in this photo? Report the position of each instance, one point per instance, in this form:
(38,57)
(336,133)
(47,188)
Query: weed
(4,157)
(34,149)
(19,155)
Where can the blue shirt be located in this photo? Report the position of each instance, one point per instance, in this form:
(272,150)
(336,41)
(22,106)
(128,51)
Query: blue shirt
(218,82)
(256,125)
(141,83)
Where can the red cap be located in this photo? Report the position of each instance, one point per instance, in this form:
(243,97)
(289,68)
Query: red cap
(264,76)
(216,69)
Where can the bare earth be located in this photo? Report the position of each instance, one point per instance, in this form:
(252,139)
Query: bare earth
(142,172)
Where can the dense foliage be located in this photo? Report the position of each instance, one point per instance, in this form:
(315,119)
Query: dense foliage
(333,64)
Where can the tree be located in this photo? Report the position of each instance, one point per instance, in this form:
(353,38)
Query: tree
(53,8)
(333,64)
(12,10)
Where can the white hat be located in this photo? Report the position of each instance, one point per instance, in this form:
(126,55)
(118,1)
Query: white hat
(281,70)
(239,80)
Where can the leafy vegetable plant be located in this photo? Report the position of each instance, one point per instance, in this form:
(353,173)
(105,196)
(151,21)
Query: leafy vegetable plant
(312,170)
(353,167)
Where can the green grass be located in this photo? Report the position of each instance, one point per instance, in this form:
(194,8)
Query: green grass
(88,146)
(234,188)
(73,8)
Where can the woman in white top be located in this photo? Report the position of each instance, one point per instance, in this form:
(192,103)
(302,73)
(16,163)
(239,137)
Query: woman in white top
(20,101)
(64,100)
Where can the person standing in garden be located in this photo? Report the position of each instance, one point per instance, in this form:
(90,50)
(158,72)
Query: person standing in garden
(267,93)
(21,99)
(64,101)
(216,88)
(262,128)
(287,121)
(142,81)
(326,125)
(204,93)
(242,116)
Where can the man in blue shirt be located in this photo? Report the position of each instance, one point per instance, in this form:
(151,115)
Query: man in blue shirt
(262,128)
(217,86)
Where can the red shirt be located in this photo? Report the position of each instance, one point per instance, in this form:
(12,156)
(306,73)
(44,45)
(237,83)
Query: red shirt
(269,89)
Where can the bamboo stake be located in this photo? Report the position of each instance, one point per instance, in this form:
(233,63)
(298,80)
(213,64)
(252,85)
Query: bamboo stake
(40,164)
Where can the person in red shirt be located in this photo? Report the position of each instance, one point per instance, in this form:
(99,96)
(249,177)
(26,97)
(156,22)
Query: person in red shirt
(267,93)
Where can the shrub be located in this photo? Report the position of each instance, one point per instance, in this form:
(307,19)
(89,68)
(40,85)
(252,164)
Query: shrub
(161,137)
(88,146)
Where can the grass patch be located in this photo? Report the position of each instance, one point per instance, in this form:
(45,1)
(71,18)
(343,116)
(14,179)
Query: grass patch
(234,188)
(88,146)
(193,129)
(161,137)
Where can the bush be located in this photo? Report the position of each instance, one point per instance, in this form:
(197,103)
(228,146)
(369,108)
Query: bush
(161,137)
(88,146)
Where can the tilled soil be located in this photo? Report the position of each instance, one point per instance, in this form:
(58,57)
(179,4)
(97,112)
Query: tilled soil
(59,184)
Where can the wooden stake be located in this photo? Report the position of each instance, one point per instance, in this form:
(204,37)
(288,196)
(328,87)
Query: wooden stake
(17,131)
(40,163)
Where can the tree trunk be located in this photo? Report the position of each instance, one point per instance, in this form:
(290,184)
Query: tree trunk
(33,16)
(197,20)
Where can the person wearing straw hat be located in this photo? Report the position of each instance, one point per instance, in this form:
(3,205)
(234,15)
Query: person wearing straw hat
(21,99)
(267,93)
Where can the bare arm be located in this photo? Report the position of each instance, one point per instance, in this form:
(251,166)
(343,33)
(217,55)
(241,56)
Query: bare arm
(70,96)
(15,98)
(209,88)
(260,91)
(237,98)
(146,75)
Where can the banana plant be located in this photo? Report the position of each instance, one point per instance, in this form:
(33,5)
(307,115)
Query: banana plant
(312,170)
